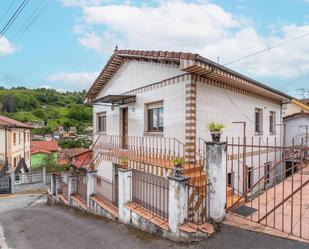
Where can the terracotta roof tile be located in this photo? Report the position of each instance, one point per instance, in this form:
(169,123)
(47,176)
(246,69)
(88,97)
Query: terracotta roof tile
(5,121)
(44,145)
(74,151)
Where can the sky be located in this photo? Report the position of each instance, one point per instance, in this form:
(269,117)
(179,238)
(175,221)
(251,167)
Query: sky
(64,44)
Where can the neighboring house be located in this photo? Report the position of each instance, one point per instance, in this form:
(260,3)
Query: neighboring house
(14,143)
(66,156)
(305,101)
(82,160)
(161,102)
(295,106)
(72,130)
(48,137)
(36,125)
(57,135)
(43,152)
(297,128)
(60,129)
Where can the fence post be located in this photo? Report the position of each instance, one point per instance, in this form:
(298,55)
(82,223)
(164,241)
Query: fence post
(72,186)
(177,202)
(52,184)
(90,185)
(124,193)
(57,185)
(44,177)
(12,175)
(216,179)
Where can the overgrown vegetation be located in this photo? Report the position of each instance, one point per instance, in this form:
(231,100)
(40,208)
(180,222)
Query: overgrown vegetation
(47,106)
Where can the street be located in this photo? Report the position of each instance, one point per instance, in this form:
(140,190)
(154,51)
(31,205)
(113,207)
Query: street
(27,222)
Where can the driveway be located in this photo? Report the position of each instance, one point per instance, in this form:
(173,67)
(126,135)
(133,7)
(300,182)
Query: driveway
(27,222)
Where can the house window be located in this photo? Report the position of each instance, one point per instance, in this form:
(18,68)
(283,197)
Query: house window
(272,122)
(19,138)
(101,126)
(14,138)
(15,160)
(258,121)
(155,117)
(267,172)
(250,178)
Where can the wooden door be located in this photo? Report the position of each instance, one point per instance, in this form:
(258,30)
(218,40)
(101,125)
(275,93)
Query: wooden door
(124,128)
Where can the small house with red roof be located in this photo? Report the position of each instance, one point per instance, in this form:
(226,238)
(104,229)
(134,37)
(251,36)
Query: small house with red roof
(77,157)
(43,152)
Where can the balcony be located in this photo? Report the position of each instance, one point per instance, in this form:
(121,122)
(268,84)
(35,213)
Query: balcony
(149,154)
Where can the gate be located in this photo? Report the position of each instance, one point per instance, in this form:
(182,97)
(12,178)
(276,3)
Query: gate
(269,184)
(5,183)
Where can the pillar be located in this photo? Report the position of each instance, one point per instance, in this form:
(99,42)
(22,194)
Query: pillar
(91,181)
(178,202)
(124,194)
(216,179)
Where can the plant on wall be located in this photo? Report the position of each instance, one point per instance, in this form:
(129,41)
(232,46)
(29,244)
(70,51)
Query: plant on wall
(215,131)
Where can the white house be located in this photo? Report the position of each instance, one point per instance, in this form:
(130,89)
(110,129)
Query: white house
(297,129)
(152,103)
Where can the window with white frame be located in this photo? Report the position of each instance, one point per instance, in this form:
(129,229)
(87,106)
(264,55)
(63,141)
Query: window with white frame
(258,120)
(101,122)
(272,122)
(155,113)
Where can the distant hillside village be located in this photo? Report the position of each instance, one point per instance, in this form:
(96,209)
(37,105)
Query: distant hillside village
(22,151)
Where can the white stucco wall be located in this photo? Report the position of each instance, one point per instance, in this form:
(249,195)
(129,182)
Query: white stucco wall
(136,74)
(214,105)
(295,129)
(131,76)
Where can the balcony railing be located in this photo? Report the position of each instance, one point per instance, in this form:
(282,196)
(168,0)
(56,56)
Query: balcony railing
(150,150)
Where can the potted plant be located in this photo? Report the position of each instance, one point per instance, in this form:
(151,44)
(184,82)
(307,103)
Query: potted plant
(124,162)
(215,131)
(178,164)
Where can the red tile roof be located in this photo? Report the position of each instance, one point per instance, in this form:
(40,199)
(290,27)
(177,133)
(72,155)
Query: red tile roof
(50,146)
(73,152)
(304,101)
(120,56)
(39,151)
(5,121)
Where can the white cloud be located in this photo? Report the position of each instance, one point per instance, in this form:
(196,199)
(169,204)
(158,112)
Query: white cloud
(80,3)
(6,47)
(200,27)
(82,79)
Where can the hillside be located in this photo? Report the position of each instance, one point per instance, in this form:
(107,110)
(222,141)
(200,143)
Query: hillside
(47,105)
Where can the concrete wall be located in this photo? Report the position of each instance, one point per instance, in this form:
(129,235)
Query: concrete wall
(295,129)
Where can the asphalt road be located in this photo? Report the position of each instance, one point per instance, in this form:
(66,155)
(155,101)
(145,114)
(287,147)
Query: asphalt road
(27,222)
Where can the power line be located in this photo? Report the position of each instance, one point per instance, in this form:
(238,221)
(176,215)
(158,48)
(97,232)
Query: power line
(266,49)
(32,18)
(28,23)
(7,11)
(13,17)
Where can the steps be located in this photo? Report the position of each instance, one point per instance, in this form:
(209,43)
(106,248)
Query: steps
(233,200)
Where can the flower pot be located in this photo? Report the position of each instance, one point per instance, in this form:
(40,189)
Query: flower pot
(125,165)
(216,136)
(178,170)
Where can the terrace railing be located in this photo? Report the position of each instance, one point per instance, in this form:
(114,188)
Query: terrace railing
(151,193)
(106,190)
(81,189)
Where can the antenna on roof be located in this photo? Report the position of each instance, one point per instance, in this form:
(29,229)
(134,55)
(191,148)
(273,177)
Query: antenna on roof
(116,48)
